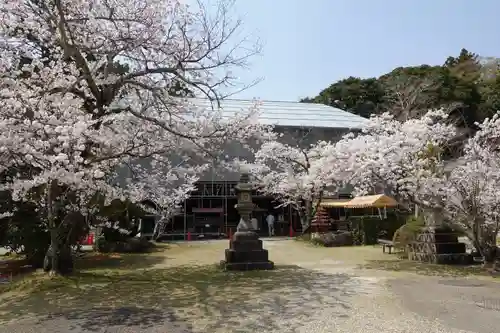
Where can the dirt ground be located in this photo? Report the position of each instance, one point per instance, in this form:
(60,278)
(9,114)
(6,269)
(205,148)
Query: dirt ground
(282,251)
(312,289)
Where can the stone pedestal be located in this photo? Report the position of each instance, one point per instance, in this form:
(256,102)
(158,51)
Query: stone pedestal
(438,246)
(246,253)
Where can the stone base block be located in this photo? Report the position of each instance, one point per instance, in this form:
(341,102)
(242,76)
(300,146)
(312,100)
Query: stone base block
(443,258)
(247,245)
(246,256)
(246,266)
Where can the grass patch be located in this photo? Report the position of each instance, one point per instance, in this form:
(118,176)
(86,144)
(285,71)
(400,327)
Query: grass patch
(90,262)
(117,261)
(421,268)
(12,256)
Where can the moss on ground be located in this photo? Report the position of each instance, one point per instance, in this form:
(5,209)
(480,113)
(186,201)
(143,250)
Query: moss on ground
(113,281)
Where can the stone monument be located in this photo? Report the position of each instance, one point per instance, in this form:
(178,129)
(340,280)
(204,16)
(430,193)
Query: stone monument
(246,252)
(438,245)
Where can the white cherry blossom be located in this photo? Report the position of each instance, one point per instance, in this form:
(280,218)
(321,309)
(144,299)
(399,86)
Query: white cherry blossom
(300,177)
(406,160)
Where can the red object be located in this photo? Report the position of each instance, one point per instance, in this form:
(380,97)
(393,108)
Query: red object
(90,239)
(189,236)
(320,222)
(291,229)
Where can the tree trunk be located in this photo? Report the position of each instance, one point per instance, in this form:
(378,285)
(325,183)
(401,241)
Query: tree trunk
(54,244)
(305,219)
(485,242)
(305,224)
(58,258)
(51,261)
(490,255)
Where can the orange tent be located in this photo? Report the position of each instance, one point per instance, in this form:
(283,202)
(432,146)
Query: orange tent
(371,201)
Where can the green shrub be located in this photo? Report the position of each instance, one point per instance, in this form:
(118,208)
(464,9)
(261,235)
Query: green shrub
(123,214)
(371,229)
(408,232)
(367,229)
(358,237)
(100,244)
(25,232)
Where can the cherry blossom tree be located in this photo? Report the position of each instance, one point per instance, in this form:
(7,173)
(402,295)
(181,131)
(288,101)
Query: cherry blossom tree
(472,196)
(88,88)
(299,177)
(406,160)
(396,156)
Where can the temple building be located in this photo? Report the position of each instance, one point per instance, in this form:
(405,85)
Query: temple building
(210,211)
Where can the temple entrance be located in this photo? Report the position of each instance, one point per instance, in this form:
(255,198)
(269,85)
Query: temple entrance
(281,215)
(210,213)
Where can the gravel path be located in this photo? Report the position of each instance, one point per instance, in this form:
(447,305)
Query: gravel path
(328,294)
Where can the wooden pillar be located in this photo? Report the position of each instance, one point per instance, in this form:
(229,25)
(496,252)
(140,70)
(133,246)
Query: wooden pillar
(284,229)
(185,218)
(225,210)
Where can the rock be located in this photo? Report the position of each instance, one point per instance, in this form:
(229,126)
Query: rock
(330,239)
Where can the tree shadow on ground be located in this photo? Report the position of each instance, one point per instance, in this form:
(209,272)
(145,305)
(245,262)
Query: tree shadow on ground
(196,299)
(95,319)
(124,261)
(403,265)
(90,262)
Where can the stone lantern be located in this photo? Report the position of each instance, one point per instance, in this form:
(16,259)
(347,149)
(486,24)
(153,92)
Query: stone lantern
(245,206)
(246,252)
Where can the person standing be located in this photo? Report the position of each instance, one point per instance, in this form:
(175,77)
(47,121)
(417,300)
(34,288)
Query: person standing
(270,224)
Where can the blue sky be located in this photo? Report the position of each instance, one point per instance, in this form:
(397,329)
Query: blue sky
(310,44)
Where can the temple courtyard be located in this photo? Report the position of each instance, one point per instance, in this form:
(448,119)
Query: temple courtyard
(179,288)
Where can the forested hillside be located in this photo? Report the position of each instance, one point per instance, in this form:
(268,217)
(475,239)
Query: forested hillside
(467,86)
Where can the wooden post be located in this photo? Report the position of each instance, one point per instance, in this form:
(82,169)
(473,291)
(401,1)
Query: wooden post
(185,218)
(225,209)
